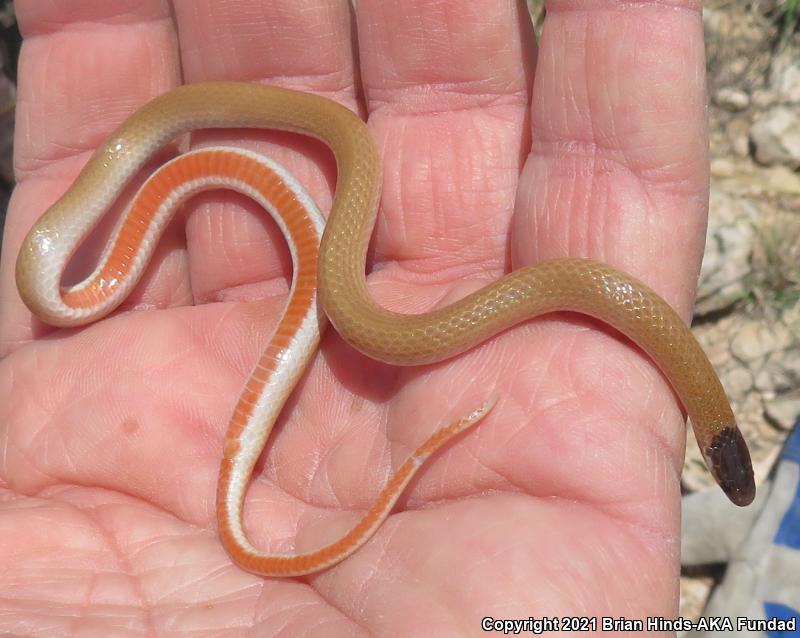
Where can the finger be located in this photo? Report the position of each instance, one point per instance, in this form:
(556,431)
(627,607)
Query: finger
(84,67)
(617,172)
(235,252)
(618,169)
(448,86)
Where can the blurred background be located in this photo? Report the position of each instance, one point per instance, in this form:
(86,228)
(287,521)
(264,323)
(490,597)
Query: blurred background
(9,50)
(747,314)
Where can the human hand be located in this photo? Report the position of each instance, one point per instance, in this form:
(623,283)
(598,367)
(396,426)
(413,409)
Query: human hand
(564,502)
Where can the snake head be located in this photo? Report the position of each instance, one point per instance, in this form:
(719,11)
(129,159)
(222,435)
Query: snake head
(729,461)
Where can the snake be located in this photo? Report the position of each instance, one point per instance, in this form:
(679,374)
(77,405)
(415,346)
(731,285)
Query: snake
(329,285)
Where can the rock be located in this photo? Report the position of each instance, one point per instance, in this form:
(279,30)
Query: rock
(738,381)
(776,137)
(756,339)
(738,46)
(779,179)
(781,372)
(778,375)
(729,244)
(738,132)
(723,167)
(763,98)
(784,74)
(784,411)
(732,99)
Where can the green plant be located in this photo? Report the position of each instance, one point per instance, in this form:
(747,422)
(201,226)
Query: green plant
(791,11)
(776,263)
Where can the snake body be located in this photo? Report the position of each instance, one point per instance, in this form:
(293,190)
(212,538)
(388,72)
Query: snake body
(337,269)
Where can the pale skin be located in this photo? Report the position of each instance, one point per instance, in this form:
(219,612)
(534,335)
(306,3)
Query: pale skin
(564,501)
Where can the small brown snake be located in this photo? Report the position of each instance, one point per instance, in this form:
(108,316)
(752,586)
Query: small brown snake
(337,269)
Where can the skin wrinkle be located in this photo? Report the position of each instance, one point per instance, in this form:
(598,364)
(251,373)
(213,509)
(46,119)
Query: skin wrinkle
(567,397)
(621,6)
(341,90)
(5,443)
(271,290)
(585,88)
(33,29)
(509,485)
(583,152)
(443,100)
(25,106)
(581,248)
(31,465)
(276,621)
(285,538)
(217,331)
(434,198)
(336,604)
(58,160)
(650,539)
(225,222)
(473,467)
(601,233)
(666,451)
(89,28)
(83,608)
(41,438)
(426,183)
(320,471)
(576,452)
(272,470)
(382,452)
(413,570)
(335,449)
(608,107)
(652,459)
(620,514)
(591,194)
(113,547)
(60,167)
(292,523)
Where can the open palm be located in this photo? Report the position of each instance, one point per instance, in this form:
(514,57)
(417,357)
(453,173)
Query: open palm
(564,501)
